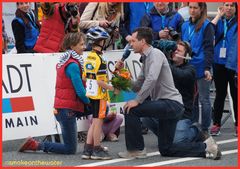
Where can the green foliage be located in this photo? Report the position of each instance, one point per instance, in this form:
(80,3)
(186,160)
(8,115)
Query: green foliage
(121,83)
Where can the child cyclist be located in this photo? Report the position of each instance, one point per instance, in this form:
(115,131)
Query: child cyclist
(95,72)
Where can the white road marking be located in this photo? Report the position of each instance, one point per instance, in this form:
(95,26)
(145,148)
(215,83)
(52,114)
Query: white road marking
(181,160)
(153,154)
(227,141)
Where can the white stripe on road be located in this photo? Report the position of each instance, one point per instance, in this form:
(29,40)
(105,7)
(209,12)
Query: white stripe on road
(104,162)
(148,154)
(181,160)
(230,152)
(115,160)
(227,141)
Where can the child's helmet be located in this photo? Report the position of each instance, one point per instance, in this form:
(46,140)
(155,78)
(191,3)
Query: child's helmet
(97,33)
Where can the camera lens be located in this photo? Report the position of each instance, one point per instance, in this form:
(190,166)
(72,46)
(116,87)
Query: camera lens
(174,34)
(74,13)
(73,10)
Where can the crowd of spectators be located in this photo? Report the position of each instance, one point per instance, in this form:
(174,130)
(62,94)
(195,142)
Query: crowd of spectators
(168,97)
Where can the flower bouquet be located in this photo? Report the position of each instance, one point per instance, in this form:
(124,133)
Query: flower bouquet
(121,79)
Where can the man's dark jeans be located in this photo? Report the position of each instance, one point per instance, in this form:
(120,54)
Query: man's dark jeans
(168,112)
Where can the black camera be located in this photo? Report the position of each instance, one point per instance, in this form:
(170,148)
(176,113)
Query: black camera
(111,27)
(174,34)
(166,46)
(72,9)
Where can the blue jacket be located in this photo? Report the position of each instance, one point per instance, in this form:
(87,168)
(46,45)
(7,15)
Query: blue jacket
(198,58)
(219,29)
(232,53)
(31,35)
(157,23)
(133,13)
(137,11)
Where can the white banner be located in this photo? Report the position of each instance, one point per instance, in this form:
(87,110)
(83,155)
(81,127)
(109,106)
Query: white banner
(28,89)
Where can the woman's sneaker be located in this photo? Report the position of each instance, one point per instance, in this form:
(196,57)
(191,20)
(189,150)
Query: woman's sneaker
(100,154)
(29,144)
(215,130)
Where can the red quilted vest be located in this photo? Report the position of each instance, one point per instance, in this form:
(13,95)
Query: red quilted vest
(51,33)
(65,95)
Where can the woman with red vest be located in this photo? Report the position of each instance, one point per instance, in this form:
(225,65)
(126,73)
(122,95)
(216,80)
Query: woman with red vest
(70,97)
(59,19)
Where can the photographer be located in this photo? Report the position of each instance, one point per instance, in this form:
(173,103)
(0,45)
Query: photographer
(189,135)
(59,19)
(165,22)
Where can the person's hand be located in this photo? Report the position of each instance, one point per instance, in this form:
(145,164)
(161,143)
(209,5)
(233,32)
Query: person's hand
(104,23)
(221,11)
(71,3)
(46,4)
(75,19)
(164,34)
(102,84)
(236,79)
(116,91)
(84,79)
(130,104)
(208,76)
(119,65)
(128,38)
(111,115)
(87,107)
(116,33)
(180,56)
(55,111)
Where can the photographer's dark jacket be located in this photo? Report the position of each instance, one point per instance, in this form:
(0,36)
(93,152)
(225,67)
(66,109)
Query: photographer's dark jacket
(184,80)
(201,44)
(158,22)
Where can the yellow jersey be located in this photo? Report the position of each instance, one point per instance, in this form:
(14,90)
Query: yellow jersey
(95,67)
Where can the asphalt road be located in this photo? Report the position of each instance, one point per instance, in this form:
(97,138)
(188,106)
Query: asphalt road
(227,142)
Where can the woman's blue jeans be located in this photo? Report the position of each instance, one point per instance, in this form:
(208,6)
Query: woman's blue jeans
(67,121)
